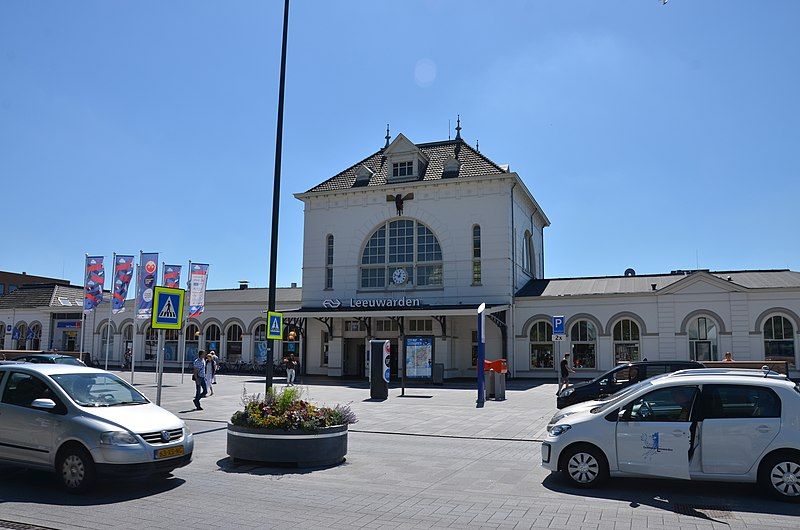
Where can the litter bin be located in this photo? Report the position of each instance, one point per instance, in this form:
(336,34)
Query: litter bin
(438,373)
(495,376)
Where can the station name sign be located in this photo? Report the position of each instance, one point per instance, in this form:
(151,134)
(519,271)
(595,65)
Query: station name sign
(335,303)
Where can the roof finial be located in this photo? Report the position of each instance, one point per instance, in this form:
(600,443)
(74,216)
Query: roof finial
(477,146)
(458,128)
(387,136)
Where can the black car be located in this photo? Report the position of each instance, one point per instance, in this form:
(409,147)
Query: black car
(620,377)
(49,358)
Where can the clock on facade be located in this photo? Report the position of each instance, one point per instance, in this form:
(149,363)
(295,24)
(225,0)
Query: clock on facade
(399,276)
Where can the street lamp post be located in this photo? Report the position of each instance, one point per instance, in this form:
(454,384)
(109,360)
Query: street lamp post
(276,194)
(481,354)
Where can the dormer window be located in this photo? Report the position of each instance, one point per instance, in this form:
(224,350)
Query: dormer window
(363,175)
(451,167)
(403,169)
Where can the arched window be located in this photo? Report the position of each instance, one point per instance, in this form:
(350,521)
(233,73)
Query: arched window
(20,332)
(626,341)
(291,341)
(106,341)
(150,344)
(542,345)
(36,336)
(233,343)
(583,336)
(476,255)
(779,340)
(213,335)
(527,254)
(127,339)
(702,339)
(260,343)
(401,252)
(171,344)
(329,262)
(192,342)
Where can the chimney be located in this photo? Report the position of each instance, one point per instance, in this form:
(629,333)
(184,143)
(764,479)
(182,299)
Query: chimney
(294,285)
(243,284)
(653,286)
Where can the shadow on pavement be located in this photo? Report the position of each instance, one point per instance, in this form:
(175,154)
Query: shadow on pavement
(259,469)
(40,487)
(704,500)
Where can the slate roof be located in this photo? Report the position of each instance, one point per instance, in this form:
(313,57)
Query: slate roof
(473,164)
(44,295)
(603,285)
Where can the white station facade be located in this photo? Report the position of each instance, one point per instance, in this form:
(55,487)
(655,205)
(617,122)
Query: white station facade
(405,244)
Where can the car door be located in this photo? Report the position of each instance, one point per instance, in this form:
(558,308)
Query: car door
(653,433)
(739,422)
(27,433)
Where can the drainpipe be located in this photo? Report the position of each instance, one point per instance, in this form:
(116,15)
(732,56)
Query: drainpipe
(513,246)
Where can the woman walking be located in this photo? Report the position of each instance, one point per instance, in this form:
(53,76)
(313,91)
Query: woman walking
(211,368)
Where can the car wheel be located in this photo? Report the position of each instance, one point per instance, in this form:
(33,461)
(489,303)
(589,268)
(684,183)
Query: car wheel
(75,470)
(779,475)
(585,466)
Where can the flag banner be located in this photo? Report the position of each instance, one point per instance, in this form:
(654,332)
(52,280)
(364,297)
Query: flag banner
(198,279)
(172,276)
(93,283)
(148,272)
(123,274)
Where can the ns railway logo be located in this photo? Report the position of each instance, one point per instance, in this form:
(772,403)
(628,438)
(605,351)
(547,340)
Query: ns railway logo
(335,303)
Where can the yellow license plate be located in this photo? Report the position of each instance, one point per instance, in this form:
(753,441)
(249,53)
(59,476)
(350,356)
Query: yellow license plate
(169,452)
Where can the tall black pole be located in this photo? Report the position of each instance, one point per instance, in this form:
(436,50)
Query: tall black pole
(276,196)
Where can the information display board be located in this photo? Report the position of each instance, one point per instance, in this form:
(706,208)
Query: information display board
(419,357)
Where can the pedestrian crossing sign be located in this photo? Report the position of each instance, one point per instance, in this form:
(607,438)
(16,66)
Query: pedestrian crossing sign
(167,308)
(274,325)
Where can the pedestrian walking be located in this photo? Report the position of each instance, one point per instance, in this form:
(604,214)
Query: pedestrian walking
(199,378)
(291,365)
(728,357)
(211,370)
(128,356)
(213,355)
(566,369)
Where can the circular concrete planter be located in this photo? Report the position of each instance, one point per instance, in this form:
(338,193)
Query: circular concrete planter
(325,447)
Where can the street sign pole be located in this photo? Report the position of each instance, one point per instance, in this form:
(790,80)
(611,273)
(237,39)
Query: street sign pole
(160,365)
(481,355)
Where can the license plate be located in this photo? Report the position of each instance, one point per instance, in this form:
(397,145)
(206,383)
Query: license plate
(169,452)
(545,453)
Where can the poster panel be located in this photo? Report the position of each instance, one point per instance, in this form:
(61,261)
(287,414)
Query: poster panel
(419,357)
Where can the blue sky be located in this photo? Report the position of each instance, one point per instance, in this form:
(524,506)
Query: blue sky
(655,137)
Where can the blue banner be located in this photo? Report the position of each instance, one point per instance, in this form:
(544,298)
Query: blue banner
(146,280)
(123,274)
(172,276)
(94,280)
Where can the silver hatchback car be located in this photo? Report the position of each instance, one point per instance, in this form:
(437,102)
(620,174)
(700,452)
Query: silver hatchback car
(84,424)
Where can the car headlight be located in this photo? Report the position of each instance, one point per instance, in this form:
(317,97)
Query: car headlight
(118,438)
(558,430)
(186,431)
(567,392)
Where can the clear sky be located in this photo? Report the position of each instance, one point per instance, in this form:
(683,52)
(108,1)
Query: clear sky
(654,136)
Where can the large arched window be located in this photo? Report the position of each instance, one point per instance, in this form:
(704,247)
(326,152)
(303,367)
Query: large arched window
(213,335)
(127,339)
(702,339)
(779,340)
(542,345)
(476,255)
(401,252)
(329,262)
(150,344)
(106,341)
(583,336)
(171,344)
(233,343)
(260,343)
(20,332)
(626,341)
(36,336)
(192,342)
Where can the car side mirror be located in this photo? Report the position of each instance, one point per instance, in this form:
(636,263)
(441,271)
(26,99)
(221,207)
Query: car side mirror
(43,404)
(621,415)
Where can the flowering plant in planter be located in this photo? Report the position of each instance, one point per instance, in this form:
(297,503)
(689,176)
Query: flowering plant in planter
(285,410)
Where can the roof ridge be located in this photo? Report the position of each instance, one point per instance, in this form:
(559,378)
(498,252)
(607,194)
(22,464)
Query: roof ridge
(653,275)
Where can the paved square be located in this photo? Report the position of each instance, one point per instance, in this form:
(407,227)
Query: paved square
(430,460)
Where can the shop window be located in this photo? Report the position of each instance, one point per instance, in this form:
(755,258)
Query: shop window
(213,335)
(291,341)
(329,262)
(150,344)
(35,334)
(541,345)
(474,348)
(260,343)
(325,348)
(233,343)
(703,339)
(626,341)
(20,332)
(191,342)
(420,325)
(583,337)
(127,340)
(476,255)
(402,244)
(779,340)
(171,344)
(106,341)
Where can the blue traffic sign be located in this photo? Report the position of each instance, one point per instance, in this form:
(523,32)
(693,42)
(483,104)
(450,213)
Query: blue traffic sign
(167,308)
(274,325)
(558,325)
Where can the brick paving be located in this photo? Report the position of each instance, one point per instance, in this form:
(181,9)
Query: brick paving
(414,462)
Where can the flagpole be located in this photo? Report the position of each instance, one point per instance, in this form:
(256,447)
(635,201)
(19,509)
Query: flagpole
(83,308)
(135,315)
(184,318)
(159,360)
(110,305)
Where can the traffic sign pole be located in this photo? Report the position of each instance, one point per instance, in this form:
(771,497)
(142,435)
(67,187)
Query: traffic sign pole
(160,365)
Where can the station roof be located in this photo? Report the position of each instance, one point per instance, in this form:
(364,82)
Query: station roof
(43,295)
(637,284)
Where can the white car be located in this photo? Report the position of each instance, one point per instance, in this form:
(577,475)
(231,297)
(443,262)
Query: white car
(83,424)
(703,424)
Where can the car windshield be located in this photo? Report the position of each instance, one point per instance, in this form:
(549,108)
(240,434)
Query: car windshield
(68,360)
(614,399)
(99,390)
(609,374)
